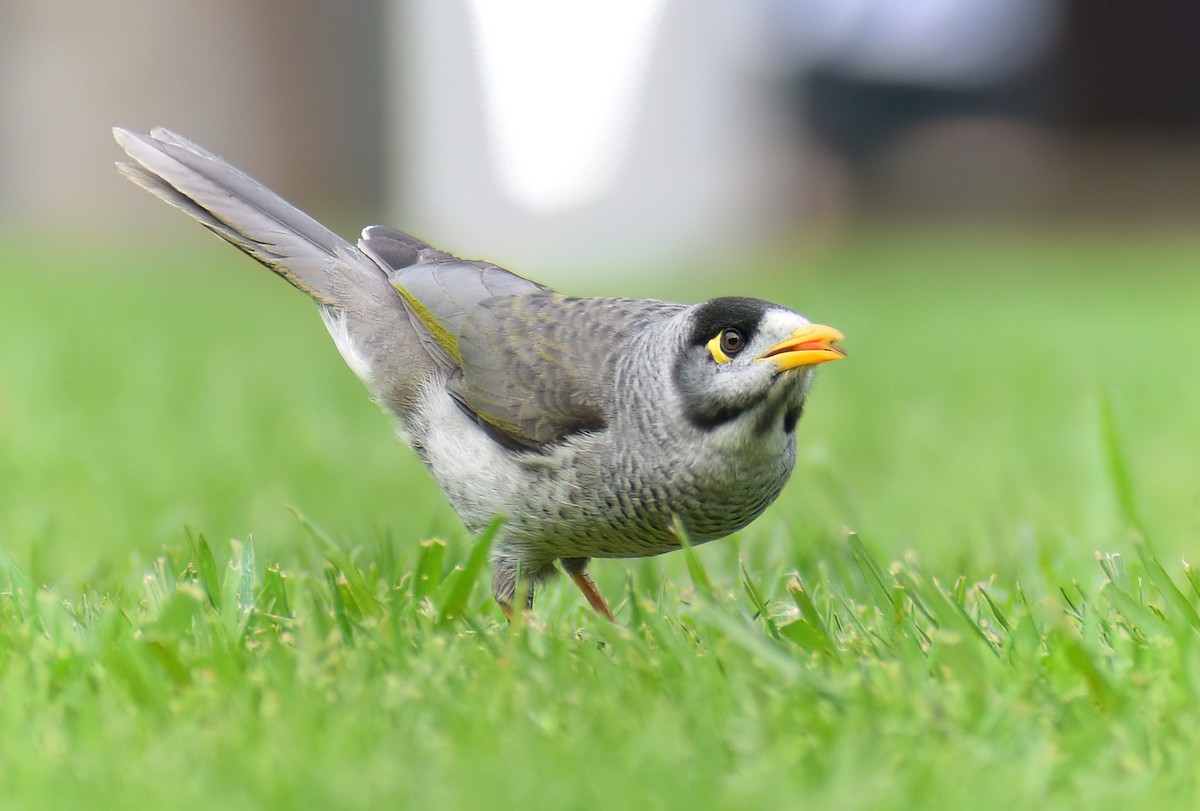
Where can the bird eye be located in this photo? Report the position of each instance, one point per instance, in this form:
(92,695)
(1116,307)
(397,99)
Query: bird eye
(726,343)
(732,341)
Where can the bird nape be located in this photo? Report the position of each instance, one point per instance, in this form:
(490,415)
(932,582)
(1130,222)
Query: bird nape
(595,426)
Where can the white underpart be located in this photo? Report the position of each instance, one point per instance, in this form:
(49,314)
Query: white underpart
(482,480)
(476,475)
(335,322)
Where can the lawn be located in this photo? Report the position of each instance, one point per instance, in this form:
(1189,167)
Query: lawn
(226,585)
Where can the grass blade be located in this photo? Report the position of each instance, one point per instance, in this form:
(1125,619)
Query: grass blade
(700,579)
(760,606)
(429,568)
(812,624)
(1118,466)
(459,587)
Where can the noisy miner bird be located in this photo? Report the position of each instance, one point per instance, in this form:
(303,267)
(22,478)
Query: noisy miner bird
(597,427)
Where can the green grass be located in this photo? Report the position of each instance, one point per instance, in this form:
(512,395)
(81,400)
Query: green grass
(225,585)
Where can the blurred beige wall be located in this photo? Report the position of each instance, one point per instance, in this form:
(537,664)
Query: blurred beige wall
(280,86)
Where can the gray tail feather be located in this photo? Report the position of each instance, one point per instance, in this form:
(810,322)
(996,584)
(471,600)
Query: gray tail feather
(363,312)
(248,215)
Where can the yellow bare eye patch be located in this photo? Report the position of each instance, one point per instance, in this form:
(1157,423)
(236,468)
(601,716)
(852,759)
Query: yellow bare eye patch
(714,349)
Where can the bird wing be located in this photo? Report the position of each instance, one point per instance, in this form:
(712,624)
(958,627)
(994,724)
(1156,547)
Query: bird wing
(438,288)
(531,365)
(540,367)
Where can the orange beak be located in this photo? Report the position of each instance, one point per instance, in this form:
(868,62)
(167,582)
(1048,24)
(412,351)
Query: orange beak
(807,346)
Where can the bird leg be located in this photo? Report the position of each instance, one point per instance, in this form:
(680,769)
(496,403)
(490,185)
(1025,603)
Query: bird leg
(509,577)
(577,569)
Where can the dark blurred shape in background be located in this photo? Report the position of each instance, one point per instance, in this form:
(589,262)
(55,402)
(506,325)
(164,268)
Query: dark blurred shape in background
(595,133)
(1133,69)
(1030,111)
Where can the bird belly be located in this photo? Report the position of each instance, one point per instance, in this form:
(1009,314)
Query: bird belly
(590,495)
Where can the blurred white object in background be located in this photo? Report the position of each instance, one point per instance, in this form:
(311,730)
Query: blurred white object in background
(560,109)
(583,134)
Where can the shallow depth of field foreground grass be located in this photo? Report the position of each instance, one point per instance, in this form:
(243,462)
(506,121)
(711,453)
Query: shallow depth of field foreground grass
(224,584)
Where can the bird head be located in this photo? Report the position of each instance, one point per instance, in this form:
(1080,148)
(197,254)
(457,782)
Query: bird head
(743,355)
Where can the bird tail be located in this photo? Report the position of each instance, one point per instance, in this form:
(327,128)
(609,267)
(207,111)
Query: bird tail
(364,314)
(246,214)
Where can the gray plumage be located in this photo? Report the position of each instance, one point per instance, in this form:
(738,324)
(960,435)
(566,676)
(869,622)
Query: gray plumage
(593,425)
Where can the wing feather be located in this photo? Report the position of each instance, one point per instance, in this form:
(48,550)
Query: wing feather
(542,367)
